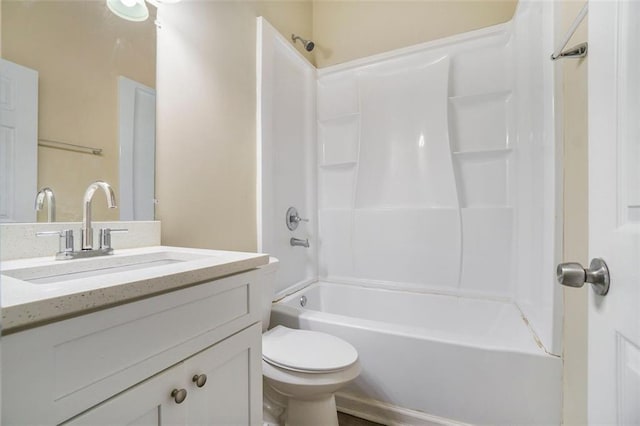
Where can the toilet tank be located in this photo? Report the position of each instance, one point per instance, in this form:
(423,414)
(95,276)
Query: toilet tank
(267,280)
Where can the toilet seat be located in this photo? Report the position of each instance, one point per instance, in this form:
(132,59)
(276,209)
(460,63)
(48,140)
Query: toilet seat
(306,351)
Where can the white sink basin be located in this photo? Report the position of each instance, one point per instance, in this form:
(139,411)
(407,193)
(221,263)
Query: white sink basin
(67,270)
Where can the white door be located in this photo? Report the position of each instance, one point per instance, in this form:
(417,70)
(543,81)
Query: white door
(137,128)
(18,142)
(614,210)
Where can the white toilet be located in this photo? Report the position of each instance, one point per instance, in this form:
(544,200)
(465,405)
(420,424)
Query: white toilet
(301,369)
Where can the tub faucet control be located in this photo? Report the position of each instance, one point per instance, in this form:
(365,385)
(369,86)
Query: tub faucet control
(293,219)
(298,242)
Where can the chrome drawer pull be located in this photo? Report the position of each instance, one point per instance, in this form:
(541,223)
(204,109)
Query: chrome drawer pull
(179,395)
(199,380)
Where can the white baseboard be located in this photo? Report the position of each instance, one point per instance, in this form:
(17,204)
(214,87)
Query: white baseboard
(388,414)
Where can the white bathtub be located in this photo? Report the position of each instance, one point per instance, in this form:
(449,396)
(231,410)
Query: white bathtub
(433,359)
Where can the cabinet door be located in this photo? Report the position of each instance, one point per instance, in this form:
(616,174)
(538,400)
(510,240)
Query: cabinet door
(232,394)
(146,404)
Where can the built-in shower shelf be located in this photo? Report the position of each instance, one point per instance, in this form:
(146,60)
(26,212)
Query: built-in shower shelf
(483,152)
(343,164)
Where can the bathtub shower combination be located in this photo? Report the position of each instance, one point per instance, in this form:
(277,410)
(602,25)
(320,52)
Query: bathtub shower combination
(429,178)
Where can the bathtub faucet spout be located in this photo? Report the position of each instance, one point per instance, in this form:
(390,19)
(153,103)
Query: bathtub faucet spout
(298,242)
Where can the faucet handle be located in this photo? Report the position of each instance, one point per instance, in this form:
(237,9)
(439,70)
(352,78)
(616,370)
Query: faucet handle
(298,219)
(66,239)
(293,218)
(105,236)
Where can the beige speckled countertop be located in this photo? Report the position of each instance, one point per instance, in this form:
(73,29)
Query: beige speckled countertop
(26,304)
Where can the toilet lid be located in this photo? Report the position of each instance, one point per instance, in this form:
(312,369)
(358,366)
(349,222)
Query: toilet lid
(306,351)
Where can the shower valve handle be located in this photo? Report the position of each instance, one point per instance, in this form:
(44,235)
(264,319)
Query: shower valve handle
(298,219)
(574,275)
(293,218)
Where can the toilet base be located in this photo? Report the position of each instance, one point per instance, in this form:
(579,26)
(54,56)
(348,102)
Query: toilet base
(317,412)
(308,398)
(274,406)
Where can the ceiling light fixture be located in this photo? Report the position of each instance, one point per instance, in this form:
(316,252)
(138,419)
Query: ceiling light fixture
(131,10)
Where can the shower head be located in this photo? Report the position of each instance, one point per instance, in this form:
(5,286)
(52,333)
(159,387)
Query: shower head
(308,44)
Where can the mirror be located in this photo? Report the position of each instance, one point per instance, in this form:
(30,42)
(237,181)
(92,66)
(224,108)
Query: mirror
(95,89)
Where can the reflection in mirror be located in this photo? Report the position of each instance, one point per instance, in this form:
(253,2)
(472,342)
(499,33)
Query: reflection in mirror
(83,84)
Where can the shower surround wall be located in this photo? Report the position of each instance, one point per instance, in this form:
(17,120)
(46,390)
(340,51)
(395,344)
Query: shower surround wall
(425,172)
(437,171)
(286,111)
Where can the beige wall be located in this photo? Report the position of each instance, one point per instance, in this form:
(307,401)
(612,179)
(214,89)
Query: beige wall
(576,227)
(206,159)
(346,30)
(79,49)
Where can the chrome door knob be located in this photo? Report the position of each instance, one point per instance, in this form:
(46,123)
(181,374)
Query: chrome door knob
(179,395)
(571,274)
(574,275)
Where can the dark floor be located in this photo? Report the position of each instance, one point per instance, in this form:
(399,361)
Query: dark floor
(347,420)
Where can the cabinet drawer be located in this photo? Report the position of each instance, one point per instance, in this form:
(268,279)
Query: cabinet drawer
(77,363)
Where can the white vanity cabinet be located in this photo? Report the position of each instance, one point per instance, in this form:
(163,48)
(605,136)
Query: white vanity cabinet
(120,365)
(173,397)
(148,403)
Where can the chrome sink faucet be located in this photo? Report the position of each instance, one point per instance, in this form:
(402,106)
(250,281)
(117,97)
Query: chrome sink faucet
(48,195)
(87,230)
(67,250)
